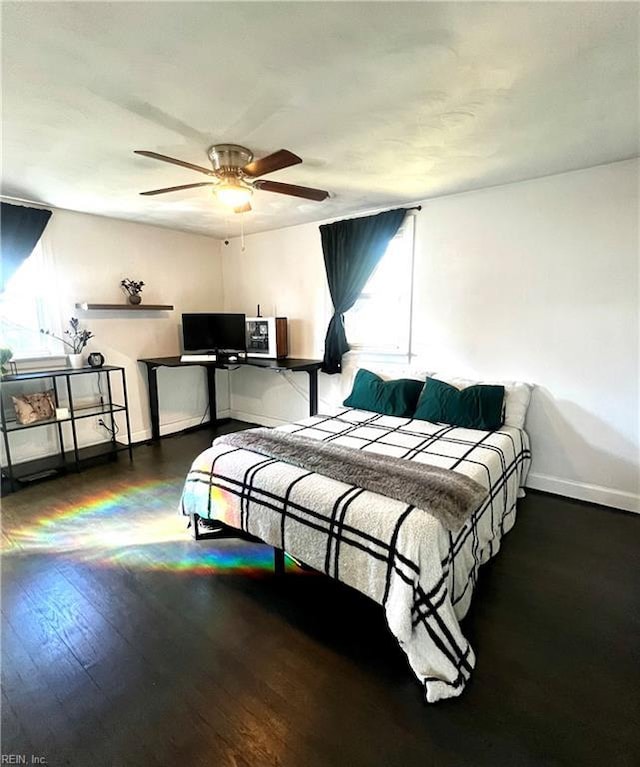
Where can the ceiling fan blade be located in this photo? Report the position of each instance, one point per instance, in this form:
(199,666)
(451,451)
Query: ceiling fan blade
(182,163)
(305,192)
(283,158)
(243,208)
(177,188)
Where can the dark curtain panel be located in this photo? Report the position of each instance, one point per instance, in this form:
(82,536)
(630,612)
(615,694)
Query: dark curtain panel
(352,249)
(20,230)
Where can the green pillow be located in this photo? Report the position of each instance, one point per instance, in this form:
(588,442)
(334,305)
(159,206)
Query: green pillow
(476,407)
(370,392)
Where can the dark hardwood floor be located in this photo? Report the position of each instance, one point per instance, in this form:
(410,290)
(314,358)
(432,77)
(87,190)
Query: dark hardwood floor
(124,642)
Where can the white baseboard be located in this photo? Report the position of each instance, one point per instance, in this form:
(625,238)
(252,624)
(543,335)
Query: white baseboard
(173,427)
(262,420)
(142,435)
(186,423)
(605,496)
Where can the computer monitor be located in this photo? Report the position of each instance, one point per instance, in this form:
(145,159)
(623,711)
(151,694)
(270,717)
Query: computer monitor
(214,332)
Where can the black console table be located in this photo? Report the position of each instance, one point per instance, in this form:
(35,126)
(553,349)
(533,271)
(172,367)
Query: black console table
(65,458)
(291,365)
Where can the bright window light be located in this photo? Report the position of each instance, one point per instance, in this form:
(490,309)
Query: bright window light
(28,304)
(379,320)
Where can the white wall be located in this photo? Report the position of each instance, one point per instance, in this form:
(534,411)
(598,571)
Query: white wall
(283,271)
(534,281)
(90,256)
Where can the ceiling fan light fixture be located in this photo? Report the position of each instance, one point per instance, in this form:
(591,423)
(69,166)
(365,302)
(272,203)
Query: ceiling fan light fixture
(235,175)
(233,194)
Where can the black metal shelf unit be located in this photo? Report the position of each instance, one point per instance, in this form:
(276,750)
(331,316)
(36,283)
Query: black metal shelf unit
(65,458)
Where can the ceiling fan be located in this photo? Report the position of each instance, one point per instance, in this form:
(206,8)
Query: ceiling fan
(234,173)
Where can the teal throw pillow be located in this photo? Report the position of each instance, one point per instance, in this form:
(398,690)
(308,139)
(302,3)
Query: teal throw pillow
(397,398)
(476,407)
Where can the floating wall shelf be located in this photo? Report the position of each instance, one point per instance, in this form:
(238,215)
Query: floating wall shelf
(126,307)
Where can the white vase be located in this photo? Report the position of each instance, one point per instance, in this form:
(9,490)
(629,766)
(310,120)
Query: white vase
(75,360)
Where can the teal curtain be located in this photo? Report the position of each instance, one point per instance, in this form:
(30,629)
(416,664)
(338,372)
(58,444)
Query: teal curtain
(352,249)
(20,230)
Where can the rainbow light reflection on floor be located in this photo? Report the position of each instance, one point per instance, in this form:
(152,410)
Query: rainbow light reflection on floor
(135,525)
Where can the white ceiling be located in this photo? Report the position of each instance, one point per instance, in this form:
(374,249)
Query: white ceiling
(386,102)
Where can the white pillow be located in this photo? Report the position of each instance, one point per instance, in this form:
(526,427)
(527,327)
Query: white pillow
(517,396)
(386,371)
(394,372)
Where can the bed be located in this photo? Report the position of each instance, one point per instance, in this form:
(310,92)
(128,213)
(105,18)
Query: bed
(400,555)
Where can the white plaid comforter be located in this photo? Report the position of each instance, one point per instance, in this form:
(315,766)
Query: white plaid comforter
(398,555)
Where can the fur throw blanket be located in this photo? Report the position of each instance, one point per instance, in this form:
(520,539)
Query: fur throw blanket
(447,495)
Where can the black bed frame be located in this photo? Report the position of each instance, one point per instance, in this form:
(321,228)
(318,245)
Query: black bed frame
(224,531)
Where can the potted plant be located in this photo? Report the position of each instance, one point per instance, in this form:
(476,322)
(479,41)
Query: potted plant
(133,290)
(77,339)
(5,356)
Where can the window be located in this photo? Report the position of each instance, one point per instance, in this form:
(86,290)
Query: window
(380,319)
(28,304)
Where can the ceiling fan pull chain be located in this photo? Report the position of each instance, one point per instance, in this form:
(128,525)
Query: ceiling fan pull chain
(242,235)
